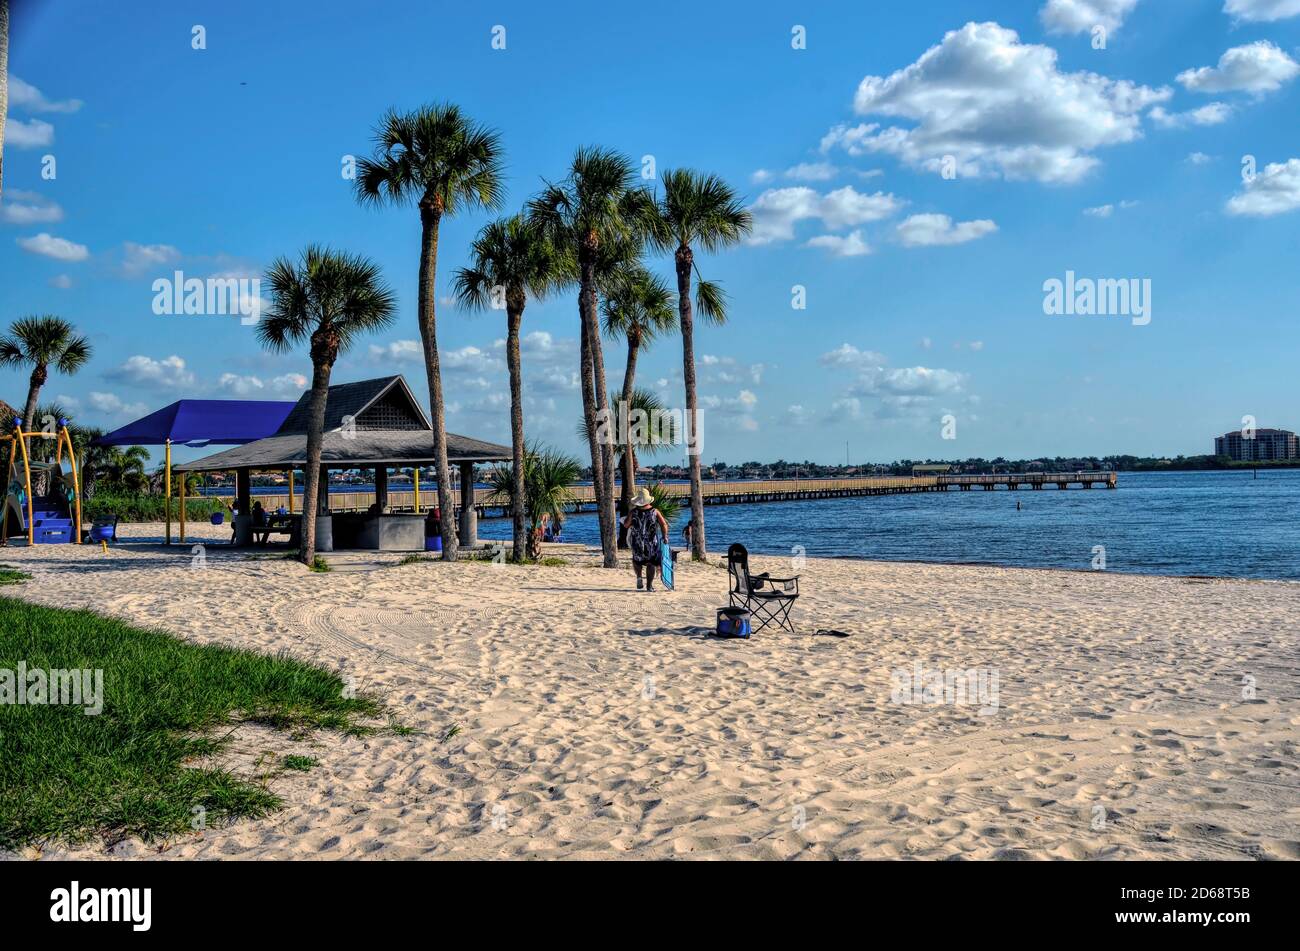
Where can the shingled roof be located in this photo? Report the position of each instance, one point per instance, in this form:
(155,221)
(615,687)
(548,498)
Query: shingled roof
(368,423)
(384,403)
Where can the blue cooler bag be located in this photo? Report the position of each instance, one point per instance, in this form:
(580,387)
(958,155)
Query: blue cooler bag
(733,622)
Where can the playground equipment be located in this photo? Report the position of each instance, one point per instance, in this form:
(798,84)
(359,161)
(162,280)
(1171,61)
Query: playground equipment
(54,516)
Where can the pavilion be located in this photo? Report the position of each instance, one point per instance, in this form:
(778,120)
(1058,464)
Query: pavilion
(197,423)
(372,424)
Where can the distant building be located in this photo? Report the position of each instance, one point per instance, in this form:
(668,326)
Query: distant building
(1267,444)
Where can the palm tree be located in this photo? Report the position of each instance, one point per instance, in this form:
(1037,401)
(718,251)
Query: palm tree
(513,258)
(697,210)
(41,343)
(638,307)
(443,162)
(329,298)
(547,482)
(597,205)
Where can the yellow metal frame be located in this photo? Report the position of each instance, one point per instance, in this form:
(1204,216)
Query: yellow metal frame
(19,439)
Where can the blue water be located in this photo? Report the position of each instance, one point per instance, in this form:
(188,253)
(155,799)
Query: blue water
(1224,524)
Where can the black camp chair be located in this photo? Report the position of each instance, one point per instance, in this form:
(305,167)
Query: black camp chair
(767,599)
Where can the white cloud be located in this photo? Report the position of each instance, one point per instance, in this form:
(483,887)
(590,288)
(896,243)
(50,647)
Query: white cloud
(30,99)
(111,404)
(139,258)
(1212,114)
(32,134)
(1262,11)
(1080,16)
(1105,211)
(399,351)
(287,384)
(997,107)
(777,210)
(761,176)
(812,172)
(850,245)
(1274,191)
(61,249)
(847,355)
(1257,67)
(926,230)
(169,372)
(61,282)
(896,391)
(1200,158)
(19,207)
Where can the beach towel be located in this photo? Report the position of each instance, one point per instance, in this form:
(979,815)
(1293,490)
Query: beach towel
(666,566)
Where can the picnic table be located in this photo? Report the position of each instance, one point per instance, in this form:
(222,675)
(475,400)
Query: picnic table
(289,525)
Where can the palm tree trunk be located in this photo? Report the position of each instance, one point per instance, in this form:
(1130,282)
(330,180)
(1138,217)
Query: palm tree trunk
(33,393)
(629,457)
(429,220)
(592,389)
(685,260)
(320,385)
(606,512)
(514,316)
(29,423)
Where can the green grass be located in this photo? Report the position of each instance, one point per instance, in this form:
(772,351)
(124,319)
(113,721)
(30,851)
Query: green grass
(300,763)
(68,777)
(12,575)
(414,559)
(319,564)
(552,562)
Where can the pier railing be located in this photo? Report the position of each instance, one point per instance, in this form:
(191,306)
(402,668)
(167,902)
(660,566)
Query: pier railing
(737,492)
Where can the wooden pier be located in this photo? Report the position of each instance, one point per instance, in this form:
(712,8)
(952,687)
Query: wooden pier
(743,492)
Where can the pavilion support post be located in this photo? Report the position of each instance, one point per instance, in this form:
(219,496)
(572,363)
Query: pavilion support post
(182,508)
(243,506)
(244,491)
(468,516)
(381,488)
(167,488)
(290,491)
(323,493)
(415,482)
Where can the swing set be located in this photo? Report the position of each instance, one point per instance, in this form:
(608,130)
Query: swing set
(55,516)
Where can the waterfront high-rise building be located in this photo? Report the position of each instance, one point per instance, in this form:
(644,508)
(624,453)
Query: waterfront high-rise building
(1264,444)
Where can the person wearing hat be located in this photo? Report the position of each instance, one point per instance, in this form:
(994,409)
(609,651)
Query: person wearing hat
(646,532)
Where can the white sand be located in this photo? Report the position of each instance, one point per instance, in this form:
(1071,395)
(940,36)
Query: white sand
(597,721)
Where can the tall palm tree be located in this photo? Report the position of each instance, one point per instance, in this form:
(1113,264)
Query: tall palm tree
(41,343)
(697,210)
(515,258)
(598,204)
(638,307)
(444,163)
(330,299)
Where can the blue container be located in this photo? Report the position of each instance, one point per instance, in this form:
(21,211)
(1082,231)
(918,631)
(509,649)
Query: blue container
(433,543)
(218,518)
(101,533)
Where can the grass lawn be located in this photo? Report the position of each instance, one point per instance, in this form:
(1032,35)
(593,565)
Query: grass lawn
(67,777)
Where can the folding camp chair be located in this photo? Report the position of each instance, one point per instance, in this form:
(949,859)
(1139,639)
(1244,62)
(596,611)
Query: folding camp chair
(767,599)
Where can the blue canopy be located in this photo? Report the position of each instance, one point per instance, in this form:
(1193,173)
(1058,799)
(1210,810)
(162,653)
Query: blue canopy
(203,422)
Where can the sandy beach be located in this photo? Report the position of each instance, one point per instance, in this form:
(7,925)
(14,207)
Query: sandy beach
(1134,717)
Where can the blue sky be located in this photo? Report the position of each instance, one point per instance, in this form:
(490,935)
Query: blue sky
(924,291)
